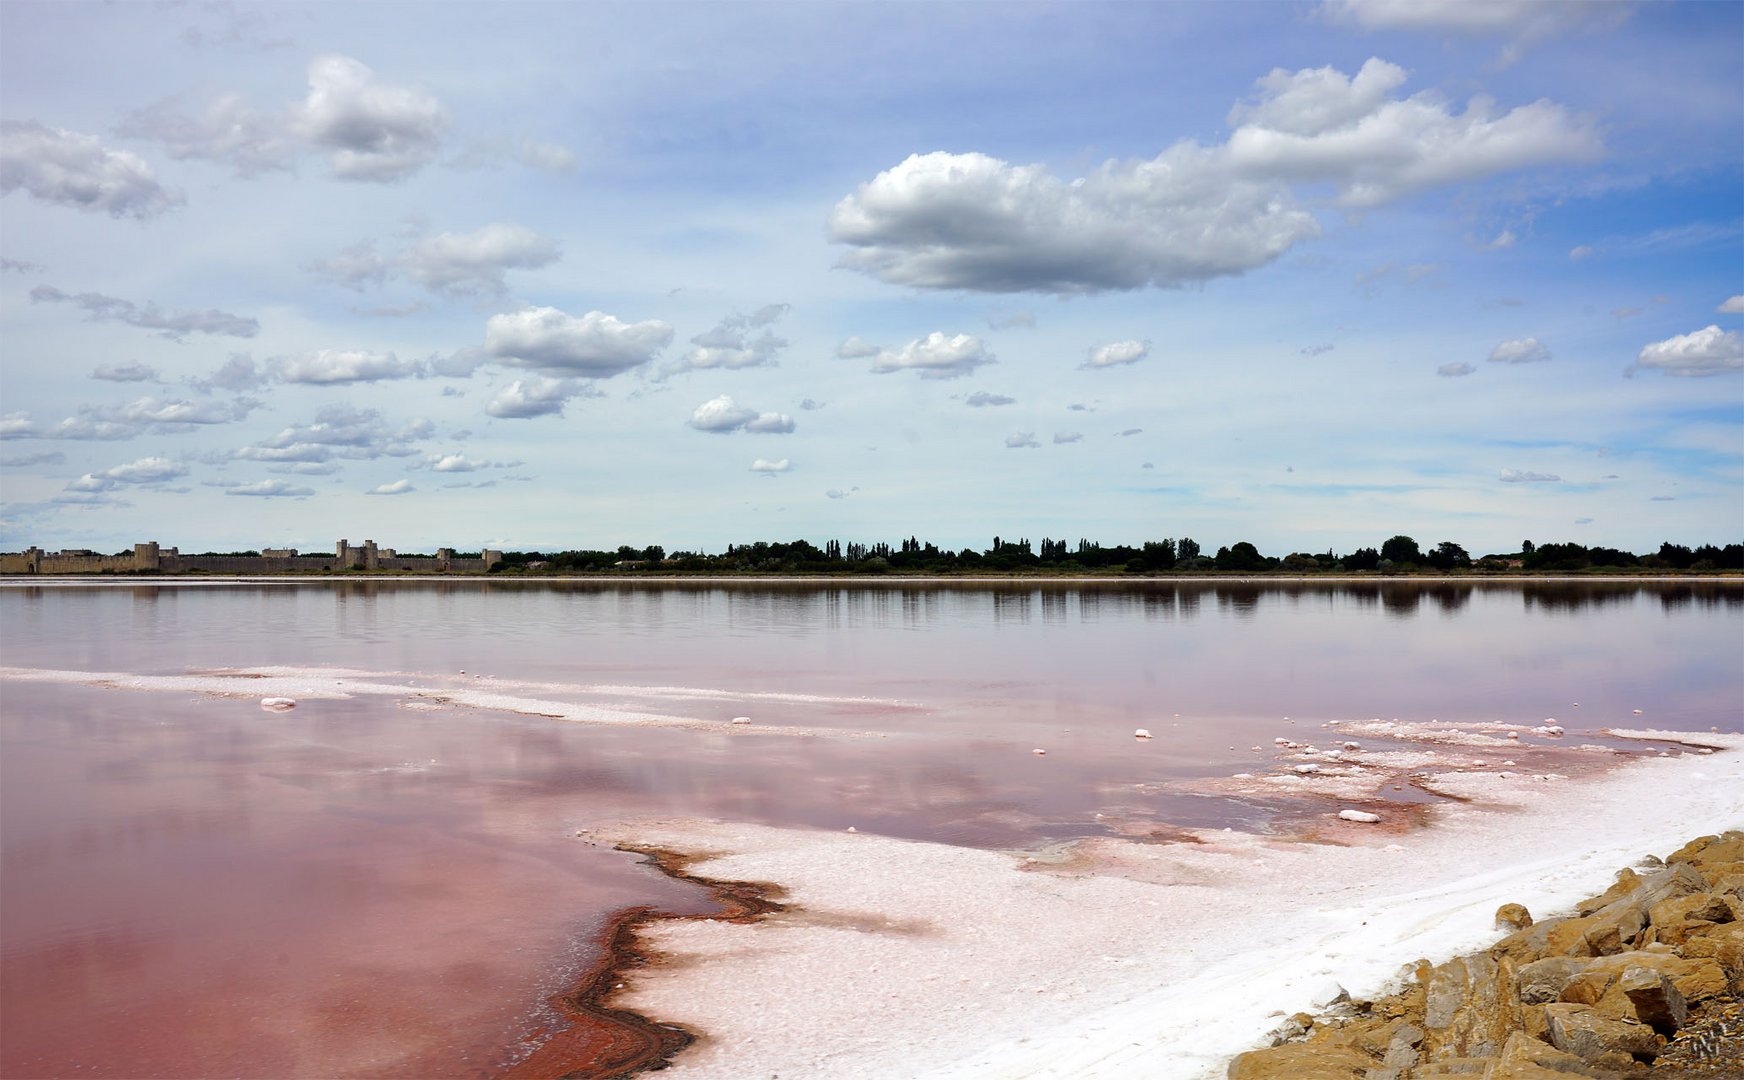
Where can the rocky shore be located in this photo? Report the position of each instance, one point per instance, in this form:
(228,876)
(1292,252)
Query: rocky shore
(1645,980)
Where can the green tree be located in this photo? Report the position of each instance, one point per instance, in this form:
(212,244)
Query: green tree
(1401,549)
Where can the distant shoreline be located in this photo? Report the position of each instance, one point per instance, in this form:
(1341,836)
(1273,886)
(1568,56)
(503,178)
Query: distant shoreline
(1209,578)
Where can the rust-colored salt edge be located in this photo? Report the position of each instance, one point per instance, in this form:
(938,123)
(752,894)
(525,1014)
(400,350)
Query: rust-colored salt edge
(594,1041)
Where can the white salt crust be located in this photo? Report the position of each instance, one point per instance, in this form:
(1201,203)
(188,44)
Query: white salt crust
(334,684)
(1112,959)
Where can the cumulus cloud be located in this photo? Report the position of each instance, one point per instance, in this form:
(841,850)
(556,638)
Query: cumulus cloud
(132,371)
(764,465)
(735,342)
(533,396)
(149,470)
(1315,350)
(1455,370)
(721,415)
(371,129)
(341,431)
(459,463)
(461,264)
(1520,351)
(1022,440)
(1581,252)
(175,326)
(396,487)
(933,357)
(981,399)
(269,489)
(1708,351)
(69,169)
(1734,305)
(336,367)
(146,415)
(596,345)
(811,406)
(1194,212)
(1521,476)
(1116,353)
(1063,437)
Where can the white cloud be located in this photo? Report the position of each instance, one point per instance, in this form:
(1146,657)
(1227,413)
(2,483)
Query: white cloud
(240,372)
(1521,351)
(356,266)
(397,487)
(1519,476)
(371,129)
(934,356)
(1022,440)
(1734,305)
(229,130)
(175,326)
(731,344)
(332,367)
(340,431)
(1583,251)
(533,396)
(270,489)
(1116,353)
(150,470)
(721,415)
(1708,351)
(856,348)
(472,264)
(455,463)
(1061,438)
(764,465)
(70,169)
(1455,370)
(1194,212)
(138,417)
(1523,22)
(132,371)
(981,399)
(596,345)
(836,493)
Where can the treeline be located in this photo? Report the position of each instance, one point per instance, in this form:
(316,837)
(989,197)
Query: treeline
(1399,554)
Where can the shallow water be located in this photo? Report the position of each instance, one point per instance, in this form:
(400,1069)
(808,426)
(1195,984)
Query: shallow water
(189,885)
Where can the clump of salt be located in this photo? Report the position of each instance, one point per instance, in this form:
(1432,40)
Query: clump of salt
(741,719)
(278,704)
(1038,751)
(1141,733)
(1360,816)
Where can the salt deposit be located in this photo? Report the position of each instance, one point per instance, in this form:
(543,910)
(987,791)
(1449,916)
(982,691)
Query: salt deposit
(905,959)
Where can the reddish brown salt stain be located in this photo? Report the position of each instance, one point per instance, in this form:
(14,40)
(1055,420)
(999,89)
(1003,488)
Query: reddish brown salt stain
(593,1040)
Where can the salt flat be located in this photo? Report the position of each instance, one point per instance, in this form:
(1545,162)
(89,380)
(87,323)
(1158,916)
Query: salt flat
(1109,958)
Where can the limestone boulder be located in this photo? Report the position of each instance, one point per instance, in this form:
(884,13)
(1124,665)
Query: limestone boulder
(1542,981)
(1473,1005)
(1654,998)
(1513,917)
(1582,1031)
(1300,1061)
(1526,1058)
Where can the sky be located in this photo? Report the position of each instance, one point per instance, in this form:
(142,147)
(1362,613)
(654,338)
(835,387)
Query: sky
(555,276)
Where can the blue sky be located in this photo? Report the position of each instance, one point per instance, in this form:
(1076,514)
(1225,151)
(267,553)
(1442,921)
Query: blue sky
(552,276)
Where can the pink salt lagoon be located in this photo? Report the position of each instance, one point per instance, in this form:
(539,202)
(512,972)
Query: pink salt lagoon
(388,879)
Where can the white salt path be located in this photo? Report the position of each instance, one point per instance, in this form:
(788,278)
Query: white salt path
(905,959)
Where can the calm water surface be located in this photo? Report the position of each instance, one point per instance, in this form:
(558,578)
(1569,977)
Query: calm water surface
(190,886)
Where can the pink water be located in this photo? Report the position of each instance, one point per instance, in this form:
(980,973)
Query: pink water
(192,887)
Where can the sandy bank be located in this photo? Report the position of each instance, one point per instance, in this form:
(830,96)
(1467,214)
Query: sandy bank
(1115,959)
